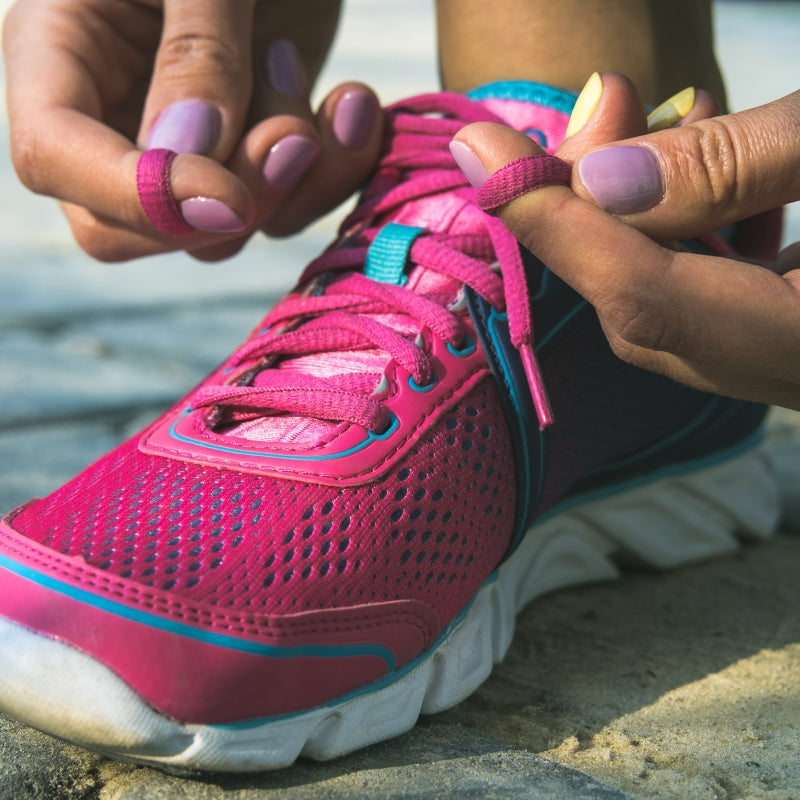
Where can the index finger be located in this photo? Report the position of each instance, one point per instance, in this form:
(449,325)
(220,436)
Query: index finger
(680,307)
(59,90)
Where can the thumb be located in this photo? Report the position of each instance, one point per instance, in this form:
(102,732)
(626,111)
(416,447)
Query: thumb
(666,311)
(607,109)
(202,81)
(689,180)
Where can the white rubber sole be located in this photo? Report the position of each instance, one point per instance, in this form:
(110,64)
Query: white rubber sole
(665,523)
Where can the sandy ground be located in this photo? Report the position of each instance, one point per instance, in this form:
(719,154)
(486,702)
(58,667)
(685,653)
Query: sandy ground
(678,685)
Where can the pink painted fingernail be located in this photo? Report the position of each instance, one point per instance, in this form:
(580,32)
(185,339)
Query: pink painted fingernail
(469,164)
(187,126)
(208,214)
(624,179)
(288,159)
(284,69)
(354,117)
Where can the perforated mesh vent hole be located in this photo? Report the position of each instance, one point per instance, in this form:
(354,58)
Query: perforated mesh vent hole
(269,545)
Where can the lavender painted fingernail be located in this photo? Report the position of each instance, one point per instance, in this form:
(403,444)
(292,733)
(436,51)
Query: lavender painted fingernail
(207,214)
(469,164)
(354,117)
(284,69)
(288,159)
(187,126)
(623,180)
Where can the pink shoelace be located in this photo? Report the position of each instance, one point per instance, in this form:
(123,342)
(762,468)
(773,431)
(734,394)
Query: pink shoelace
(341,309)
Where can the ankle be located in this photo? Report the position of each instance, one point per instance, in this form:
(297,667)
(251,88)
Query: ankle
(661,47)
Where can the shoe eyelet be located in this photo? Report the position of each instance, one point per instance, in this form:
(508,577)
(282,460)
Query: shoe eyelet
(466,349)
(394,424)
(417,388)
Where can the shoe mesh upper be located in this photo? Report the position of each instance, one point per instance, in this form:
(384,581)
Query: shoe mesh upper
(224,537)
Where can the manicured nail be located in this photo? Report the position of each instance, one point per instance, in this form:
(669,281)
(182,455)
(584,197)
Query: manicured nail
(207,214)
(623,180)
(187,126)
(671,111)
(354,117)
(469,164)
(288,159)
(585,104)
(284,69)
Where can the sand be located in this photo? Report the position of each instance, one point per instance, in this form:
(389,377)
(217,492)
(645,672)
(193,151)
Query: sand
(677,685)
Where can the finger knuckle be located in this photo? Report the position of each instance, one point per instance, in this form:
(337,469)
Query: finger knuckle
(28,158)
(185,52)
(623,349)
(94,240)
(711,164)
(636,322)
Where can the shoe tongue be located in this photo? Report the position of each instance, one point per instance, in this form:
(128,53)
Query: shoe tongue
(538,110)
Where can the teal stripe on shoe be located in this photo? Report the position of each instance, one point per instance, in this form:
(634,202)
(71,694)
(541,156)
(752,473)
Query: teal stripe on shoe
(190,632)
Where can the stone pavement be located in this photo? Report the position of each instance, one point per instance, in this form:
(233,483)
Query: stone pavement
(90,352)
(432,761)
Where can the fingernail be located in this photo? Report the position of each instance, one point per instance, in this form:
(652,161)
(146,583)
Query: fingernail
(288,159)
(187,126)
(623,180)
(207,214)
(284,69)
(671,111)
(585,104)
(469,164)
(353,118)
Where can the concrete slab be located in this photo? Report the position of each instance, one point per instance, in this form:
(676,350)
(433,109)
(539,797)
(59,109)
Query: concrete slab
(432,762)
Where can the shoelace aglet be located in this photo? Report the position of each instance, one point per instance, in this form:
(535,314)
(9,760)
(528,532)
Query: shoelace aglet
(536,385)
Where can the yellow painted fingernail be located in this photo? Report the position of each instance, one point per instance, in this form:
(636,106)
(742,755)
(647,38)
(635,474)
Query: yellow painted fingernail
(670,111)
(585,104)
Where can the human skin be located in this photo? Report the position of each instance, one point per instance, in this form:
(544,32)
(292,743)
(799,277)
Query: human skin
(88,80)
(720,324)
(662,47)
(723,325)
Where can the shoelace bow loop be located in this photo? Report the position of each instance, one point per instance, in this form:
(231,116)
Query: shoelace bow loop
(339,313)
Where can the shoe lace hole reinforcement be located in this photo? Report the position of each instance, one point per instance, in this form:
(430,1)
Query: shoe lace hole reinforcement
(467,348)
(426,388)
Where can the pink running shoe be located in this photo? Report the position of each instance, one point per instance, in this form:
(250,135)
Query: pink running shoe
(334,532)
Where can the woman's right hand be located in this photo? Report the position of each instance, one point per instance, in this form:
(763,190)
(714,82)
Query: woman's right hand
(91,84)
(720,324)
